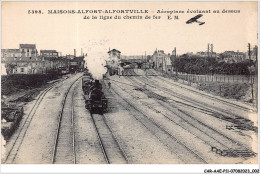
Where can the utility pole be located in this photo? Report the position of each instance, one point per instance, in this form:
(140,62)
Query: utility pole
(145,63)
(208,49)
(162,64)
(250,71)
(249,51)
(211,50)
(175,56)
(206,69)
(256,53)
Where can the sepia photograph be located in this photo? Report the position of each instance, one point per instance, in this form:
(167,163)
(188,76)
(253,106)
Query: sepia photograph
(125,82)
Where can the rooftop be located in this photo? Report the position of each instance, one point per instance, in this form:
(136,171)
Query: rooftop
(48,51)
(10,50)
(113,50)
(33,46)
(22,59)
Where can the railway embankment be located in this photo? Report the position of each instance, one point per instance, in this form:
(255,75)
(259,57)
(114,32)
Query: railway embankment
(18,86)
(17,90)
(238,91)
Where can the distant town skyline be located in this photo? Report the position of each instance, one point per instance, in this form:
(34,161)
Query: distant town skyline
(64,33)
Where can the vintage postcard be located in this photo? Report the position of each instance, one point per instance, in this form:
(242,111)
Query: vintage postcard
(129,83)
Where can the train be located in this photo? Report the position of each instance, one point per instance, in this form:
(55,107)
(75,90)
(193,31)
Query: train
(63,70)
(95,100)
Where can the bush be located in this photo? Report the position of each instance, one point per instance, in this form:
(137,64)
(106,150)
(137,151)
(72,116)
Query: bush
(15,82)
(228,90)
(202,65)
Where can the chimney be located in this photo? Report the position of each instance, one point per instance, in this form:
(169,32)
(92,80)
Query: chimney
(75,52)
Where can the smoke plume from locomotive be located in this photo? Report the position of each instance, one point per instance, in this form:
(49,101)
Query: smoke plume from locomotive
(95,64)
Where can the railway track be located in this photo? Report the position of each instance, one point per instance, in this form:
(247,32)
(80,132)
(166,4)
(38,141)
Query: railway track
(229,148)
(111,149)
(64,147)
(165,137)
(241,122)
(11,154)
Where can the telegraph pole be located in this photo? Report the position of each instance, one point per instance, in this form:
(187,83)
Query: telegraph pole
(208,49)
(256,53)
(250,71)
(175,57)
(162,64)
(206,66)
(145,63)
(249,51)
(211,50)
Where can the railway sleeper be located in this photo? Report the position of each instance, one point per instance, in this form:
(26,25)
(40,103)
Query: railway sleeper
(242,126)
(233,153)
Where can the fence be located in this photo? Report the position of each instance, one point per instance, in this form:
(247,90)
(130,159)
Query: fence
(217,78)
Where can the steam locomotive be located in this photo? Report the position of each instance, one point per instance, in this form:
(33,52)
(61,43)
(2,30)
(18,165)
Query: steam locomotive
(95,100)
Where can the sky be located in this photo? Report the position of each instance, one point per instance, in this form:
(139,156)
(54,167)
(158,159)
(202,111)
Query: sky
(64,32)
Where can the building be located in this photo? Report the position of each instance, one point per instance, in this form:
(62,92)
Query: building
(49,53)
(6,53)
(70,56)
(25,50)
(28,50)
(232,56)
(26,60)
(24,65)
(113,62)
(76,64)
(206,54)
(114,58)
(253,54)
(134,61)
(161,61)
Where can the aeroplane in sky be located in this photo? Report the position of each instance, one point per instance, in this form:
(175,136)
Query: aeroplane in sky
(194,19)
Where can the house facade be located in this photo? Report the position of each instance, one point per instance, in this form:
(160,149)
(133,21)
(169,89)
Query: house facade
(28,50)
(49,53)
(5,53)
(161,61)
(233,57)
(113,62)
(114,58)
(26,60)
(24,65)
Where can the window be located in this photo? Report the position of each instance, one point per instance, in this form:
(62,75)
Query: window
(22,69)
